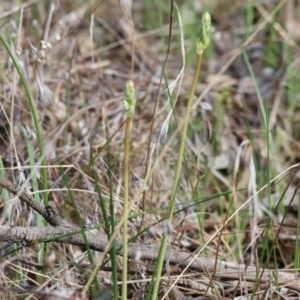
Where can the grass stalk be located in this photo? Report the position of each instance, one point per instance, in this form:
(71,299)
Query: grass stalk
(38,134)
(34,116)
(113,250)
(109,221)
(34,179)
(4,193)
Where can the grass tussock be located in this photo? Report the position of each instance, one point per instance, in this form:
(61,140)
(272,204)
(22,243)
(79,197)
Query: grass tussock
(125,172)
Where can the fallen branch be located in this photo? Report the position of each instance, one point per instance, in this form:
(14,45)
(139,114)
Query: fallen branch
(63,231)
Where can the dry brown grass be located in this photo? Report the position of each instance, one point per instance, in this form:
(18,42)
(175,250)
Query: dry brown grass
(78,94)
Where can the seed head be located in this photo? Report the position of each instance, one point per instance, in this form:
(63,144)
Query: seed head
(19,52)
(49,46)
(166,227)
(57,37)
(45,94)
(38,55)
(44,46)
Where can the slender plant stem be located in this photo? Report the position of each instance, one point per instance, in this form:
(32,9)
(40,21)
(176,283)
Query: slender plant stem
(125,208)
(34,116)
(160,261)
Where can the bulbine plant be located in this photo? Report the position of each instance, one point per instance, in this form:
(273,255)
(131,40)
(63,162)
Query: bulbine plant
(202,44)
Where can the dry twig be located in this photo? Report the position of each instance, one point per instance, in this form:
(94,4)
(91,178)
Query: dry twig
(65,232)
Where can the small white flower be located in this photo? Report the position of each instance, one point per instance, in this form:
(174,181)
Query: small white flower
(19,52)
(57,37)
(166,227)
(137,256)
(44,46)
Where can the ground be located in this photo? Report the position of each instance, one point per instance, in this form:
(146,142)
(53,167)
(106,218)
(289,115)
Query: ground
(64,70)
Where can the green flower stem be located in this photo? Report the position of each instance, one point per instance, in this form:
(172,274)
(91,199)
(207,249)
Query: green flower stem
(42,252)
(129,105)
(202,44)
(125,208)
(34,116)
(160,261)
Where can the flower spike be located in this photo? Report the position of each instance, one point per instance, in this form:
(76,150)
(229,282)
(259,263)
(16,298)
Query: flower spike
(204,33)
(129,99)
